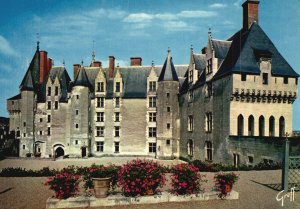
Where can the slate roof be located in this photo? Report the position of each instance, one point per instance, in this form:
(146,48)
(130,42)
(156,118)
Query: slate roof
(82,79)
(18,96)
(200,61)
(221,48)
(168,72)
(245,49)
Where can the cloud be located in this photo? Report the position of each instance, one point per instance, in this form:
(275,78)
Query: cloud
(197,14)
(138,17)
(178,26)
(6,48)
(217,6)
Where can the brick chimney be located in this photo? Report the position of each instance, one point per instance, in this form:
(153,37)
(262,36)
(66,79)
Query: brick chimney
(111,66)
(43,66)
(96,64)
(135,61)
(49,64)
(76,69)
(250,13)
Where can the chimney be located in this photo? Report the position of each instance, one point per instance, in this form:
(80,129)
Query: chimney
(76,69)
(43,66)
(111,66)
(49,64)
(135,61)
(96,64)
(204,50)
(250,13)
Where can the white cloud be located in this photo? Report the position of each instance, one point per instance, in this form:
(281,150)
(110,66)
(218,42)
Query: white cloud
(197,14)
(138,17)
(166,16)
(217,5)
(6,48)
(178,26)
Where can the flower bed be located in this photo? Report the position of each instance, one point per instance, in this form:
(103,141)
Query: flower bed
(224,183)
(140,177)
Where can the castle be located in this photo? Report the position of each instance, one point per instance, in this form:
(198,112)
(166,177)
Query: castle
(230,104)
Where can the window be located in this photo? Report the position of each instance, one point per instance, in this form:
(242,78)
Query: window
(168,109)
(41,120)
(24,134)
(48,118)
(100,102)
(236,160)
(49,131)
(168,125)
(100,116)
(76,126)
(49,105)
(261,125)
(152,86)
(250,159)
(190,147)
(117,102)
(240,125)
(251,126)
(100,86)
(56,90)
(208,119)
(77,96)
(117,131)
(296,81)
(271,126)
(49,91)
(152,147)
(191,76)
(76,142)
(41,133)
(56,105)
(118,87)
(18,133)
(24,124)
(285,80)
(281,126)
(100,146)
(152,101)
(168,95)
(168,142)
(117,117)
(76,112)
(209,89)
(243,77)
(152,132)
(265,78)
(99,131)
(191,95)
(117,146)
(152,117)
(24,146)
(209,151)
(209,66)
(190,123)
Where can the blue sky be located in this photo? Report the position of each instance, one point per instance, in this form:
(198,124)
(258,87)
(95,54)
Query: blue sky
(129,28)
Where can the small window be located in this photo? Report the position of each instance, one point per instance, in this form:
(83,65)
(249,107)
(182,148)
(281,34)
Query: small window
(190,123)
(48,131)
(209,66)
(152,117)
(152,132)
(296,81)
(56,90)
(100,87)
(76,142)
(168,109)
(152,86)
(48,118)
(168,125)
(100,146)
(152,101)
(209,121)
(117,117)
(77,96)
(190,147)
(99,131)
(24,134)
(41,133)
(168,142)
(100,116)
(76,112)
(285,80)
(117,131)
(24,124)
(152,147)
(24,146)
(49,91)
(41,120)
(117,102)
(100,102)
(168,95)
(243,77)
(265,78)
(76,126)
(117,86)
(49,105)
(250,159)
(56,105)
(117,147)
(236,160)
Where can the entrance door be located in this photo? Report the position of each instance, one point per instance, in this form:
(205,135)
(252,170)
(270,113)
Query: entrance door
(83,151)
(59,152)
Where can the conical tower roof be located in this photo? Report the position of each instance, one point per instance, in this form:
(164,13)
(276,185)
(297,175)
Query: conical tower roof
(168,72)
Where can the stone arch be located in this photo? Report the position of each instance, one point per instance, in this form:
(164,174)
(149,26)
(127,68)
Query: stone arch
(272,126)
(251,125)
(59,150)
(240,125)
(281,126)
(261,126)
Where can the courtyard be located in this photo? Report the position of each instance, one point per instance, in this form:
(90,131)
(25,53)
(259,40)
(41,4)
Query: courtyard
(257,189)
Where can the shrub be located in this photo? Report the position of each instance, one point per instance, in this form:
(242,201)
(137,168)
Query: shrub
(185,179)
(64,185)
(100,171)
(224,183)
(140,177)
(22,172)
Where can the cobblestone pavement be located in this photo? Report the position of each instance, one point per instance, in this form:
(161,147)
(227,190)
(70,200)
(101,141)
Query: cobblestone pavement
(257,189)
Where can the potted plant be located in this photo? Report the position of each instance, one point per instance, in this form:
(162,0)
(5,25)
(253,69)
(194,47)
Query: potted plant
(101,178)
(141,177)
(185,179)
(64,184)
(224,183)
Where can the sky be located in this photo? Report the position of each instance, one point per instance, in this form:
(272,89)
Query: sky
(70,30)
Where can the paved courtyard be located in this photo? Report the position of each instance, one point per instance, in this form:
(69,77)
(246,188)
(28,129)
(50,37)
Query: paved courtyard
(258,189)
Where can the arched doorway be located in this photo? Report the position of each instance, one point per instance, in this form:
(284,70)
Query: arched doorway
(83,151)
(59,152)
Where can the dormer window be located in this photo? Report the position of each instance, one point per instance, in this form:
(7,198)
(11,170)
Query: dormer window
(191,76)
(209,66)
(243,77)
(56,90)
(100,87)
(152,86)
(118,87)
(49,91)
(265,78)
(285,80)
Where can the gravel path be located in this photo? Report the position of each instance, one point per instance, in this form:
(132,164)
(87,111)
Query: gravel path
(256,190)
